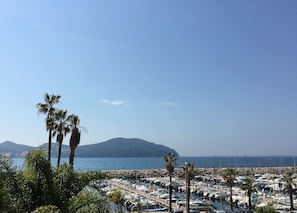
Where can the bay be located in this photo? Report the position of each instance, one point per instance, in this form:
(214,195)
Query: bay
(158,163)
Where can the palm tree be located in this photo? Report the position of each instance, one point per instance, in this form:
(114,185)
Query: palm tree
(230,176)
(48,108)
(289,179)
(170,162)
(248,186)
(88,201)
(61,128)
(189,175)
(75,136)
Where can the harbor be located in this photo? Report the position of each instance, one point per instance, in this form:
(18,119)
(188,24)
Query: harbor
(147,190)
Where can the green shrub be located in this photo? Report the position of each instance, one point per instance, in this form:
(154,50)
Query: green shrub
(266,209)
(47,209)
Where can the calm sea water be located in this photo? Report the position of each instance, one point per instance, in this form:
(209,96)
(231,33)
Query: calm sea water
(158,163)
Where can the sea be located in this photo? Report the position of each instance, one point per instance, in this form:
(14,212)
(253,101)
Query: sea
(141,163)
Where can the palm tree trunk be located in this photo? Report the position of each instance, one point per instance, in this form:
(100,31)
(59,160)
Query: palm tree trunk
(71,159)
(49,144)
(59,154)
(231,199)
(291,200)
(188,195)
(250,201)
(170,192)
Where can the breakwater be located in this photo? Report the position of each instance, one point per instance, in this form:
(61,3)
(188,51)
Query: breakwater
(142,173)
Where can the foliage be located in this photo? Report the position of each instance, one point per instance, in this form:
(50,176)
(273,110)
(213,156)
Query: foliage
(170,162)
(4,201)
(266,209)
(15,186)
(88,201)
(230,175)
(116,197)
(40,185)
(39,178)
(66,185)
(138,205)
(47,209)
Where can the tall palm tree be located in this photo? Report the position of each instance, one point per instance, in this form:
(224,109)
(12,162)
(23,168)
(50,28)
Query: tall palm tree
(230,176)
(75,136)
(170,162)
(48,108)
(189,175)
(248,186)
(61,128)
(289,179)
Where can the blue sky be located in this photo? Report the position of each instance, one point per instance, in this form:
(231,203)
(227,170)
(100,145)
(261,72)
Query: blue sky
(207,78)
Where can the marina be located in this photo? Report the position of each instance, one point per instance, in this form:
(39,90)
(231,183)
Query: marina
(147,190)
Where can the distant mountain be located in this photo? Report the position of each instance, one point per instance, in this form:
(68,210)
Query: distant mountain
(123,147)
(14,150)
(55,149)
(117,147)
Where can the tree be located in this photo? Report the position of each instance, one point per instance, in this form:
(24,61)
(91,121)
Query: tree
(289,179)
(189,175)
(39,184)
(88,201)
(4,195)
(75,136)
(66,185)
(48,108)
(61,128)
(230,176)
(69,183)
(38,179)
(17,197)
(248,186)
(170,162)
(138,206)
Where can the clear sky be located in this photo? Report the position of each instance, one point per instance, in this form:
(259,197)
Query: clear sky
(207,78)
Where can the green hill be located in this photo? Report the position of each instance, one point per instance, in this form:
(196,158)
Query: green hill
(116,147)
(123,147)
